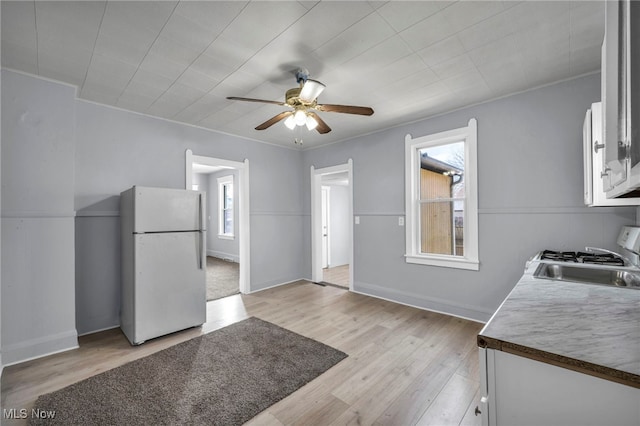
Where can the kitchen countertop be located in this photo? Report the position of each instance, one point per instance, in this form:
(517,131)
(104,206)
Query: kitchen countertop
(588,328)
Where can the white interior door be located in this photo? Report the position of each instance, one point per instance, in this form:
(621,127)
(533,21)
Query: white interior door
(325,227)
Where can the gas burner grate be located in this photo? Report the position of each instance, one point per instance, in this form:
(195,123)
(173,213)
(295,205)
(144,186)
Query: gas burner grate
(560,256)
(582,257)
(600,258)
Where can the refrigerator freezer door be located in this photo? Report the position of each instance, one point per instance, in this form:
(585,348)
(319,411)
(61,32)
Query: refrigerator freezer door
(167,210)
(170,284)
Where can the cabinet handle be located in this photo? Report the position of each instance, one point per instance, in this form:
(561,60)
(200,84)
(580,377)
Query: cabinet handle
(597,146)
(605,172)
(478,412)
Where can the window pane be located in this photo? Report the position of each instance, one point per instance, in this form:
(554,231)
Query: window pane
(228,221)
(228,196)
(442,171)
(442,227)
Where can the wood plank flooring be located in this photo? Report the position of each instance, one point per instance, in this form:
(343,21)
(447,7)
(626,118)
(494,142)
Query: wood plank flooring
(338,275)
(405,367)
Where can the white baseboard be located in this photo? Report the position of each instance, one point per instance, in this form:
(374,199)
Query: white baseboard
(99,330)
(39,347)
(277,285)
(224,256)
(441,306)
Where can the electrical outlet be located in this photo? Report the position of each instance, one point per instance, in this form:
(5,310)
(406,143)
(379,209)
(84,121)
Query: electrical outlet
(400,220)
(357,220)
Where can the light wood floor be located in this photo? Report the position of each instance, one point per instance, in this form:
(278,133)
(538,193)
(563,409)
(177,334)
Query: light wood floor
(405,366)
(338,275)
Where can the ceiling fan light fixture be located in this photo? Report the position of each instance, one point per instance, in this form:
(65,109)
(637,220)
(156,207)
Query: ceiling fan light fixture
(312,123)
(290,122)
(300,117)
(311,90)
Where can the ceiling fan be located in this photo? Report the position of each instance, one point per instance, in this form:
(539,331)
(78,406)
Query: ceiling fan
(304,103)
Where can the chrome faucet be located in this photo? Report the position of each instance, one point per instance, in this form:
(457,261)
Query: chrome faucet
(625,258)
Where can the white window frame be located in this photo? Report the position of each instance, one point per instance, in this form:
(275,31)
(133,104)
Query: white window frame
(222,182)
(469,135)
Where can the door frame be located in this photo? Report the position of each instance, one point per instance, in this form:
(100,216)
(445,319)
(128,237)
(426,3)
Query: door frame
(243,207)
(316,218)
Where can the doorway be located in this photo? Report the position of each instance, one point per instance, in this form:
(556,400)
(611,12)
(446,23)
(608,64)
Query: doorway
(332,225)
(227,186)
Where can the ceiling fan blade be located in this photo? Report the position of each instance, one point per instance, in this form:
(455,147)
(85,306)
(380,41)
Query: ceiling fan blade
(270,122)
(322,127)
(235,98)
(347,109)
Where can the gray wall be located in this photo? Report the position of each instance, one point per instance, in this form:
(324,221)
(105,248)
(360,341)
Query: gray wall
(60,154)
(218,247)
(202,180)
(38,144)
(530,198)
(117,149)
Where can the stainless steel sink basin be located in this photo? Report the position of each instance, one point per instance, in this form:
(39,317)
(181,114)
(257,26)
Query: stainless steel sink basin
(609,276)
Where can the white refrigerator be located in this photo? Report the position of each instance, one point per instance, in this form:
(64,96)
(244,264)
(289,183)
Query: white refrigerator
(163,261)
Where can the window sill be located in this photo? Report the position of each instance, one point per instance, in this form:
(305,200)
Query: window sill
(444,261)
(226,236)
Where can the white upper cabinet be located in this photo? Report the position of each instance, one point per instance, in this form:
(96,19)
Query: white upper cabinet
(621,98)
(594,177)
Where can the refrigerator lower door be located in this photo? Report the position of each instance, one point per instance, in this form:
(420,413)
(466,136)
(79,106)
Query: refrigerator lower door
(170,284)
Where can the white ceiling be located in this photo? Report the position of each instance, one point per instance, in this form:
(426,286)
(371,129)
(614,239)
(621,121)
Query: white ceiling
(206,169)
(406,60)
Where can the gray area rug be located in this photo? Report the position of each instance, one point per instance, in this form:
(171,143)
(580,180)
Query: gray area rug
(225,377)
(223,278)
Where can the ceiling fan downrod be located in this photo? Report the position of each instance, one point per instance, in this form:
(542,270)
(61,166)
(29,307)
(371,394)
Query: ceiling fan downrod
(302,75)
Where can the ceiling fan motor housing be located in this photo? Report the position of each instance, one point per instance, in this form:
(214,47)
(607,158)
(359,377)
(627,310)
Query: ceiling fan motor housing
(292,96)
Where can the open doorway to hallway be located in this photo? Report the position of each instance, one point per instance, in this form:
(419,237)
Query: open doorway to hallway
(332,229)
(335,229)
(226,184)
(223,258)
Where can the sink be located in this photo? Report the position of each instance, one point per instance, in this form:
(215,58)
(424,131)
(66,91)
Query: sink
(582,274)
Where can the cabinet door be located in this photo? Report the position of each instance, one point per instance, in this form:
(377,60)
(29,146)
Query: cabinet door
(633,71)
(529,392)
(614,94)
(594,193)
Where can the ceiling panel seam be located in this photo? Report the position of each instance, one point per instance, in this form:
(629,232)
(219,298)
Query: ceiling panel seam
(86,73)
(146,54)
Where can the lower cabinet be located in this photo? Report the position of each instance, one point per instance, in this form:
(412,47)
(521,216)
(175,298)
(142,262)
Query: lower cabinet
(520,391)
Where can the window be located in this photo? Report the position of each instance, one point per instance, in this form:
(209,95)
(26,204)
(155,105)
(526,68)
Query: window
(441,198)
(225,207)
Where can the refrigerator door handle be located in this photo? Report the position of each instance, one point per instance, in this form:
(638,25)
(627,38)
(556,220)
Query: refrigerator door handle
(200,212)
(201,203)
(203,256)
